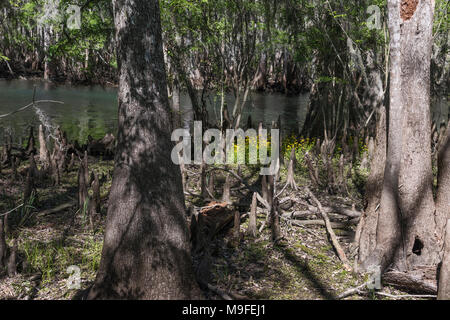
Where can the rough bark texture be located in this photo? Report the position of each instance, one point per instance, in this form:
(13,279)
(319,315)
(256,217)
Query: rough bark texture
(374,185)
(416,178)
(252,230)
(275,221)
(443,192)
(444,275)
(407,236)
(146,251)
(291,167)
(226,195)
(43,151)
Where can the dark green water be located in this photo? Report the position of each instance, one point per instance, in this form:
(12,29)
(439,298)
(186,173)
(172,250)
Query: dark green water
(93,110)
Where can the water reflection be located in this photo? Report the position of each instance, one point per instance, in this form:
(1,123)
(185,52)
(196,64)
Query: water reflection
(93,110)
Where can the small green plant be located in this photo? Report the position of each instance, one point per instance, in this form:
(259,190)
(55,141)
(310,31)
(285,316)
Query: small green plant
(26,211)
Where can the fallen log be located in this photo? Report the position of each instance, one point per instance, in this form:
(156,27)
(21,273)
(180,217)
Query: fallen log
(57,209)
(410,283)
(348,212)
(304,223)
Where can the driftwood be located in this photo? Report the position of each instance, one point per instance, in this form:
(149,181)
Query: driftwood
(340,252)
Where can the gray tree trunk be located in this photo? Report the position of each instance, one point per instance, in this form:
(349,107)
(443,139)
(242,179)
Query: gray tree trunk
(407,234)
(444,275)
(443,192)
(146,251)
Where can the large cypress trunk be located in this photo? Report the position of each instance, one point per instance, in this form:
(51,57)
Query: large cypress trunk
(407,233)
(146,251)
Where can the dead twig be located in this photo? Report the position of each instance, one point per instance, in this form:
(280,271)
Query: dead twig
(28,106)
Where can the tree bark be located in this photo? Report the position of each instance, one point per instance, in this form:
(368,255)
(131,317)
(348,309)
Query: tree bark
(374,185)
(43,151)
(443,192)
(252,230)
(146,251)
(407,235)
(444,275)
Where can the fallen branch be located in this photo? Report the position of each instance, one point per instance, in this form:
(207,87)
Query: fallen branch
(352,291)
(402,296)
(303,223)
(340,252)
(28,106)
(362,289)
(6,213)
(332,209)
(57,209)
(409,283)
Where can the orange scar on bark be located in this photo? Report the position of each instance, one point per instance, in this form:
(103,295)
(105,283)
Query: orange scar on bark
(407,9)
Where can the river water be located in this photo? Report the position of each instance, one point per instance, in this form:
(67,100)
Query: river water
(93,110)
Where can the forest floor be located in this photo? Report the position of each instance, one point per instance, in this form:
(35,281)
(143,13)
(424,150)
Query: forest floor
(303,265)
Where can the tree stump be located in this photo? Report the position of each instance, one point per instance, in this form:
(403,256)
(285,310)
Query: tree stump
(252,230)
